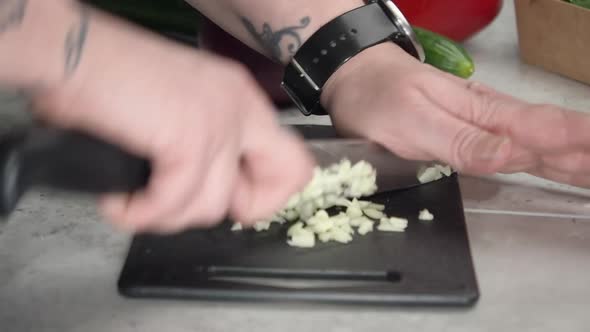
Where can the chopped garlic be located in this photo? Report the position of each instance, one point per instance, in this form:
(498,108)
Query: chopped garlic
(341,185)
(293,201)
(389,228)
(340,235)
(374,214)
(354,211)
(323,226)
(375,206)
(364,204)
(365,227)
(393,224)
(320,202)
(295,228)
(291,215)
(320,216)
(425,215)
(400,222)
(445,170)
(325,237)
(236,227)
(341,219)
(342,202)
(347,229)
(429,174)
(356,222)
(303,238)
(262,226)
(306,210)
(436,172)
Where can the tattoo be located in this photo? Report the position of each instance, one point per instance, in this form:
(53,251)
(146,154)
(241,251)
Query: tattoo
(12,13)
(272,41)
(75,42)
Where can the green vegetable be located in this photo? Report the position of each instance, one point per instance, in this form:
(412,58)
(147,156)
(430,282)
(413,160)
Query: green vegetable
(581,3)
(445,54)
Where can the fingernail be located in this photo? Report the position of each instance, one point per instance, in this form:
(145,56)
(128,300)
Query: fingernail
(492,148)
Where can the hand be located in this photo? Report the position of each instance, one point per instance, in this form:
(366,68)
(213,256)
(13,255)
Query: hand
(422,113)
(208,130)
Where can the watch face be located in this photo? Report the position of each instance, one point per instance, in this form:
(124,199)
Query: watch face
(403,25)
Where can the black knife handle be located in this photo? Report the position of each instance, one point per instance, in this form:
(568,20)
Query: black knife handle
(65,160)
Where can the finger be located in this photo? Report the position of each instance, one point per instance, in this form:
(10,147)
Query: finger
(274,166)
(467,148)
(522,160)
(574,163)
(210,204)
(578,180)
(171,187)
(544,128)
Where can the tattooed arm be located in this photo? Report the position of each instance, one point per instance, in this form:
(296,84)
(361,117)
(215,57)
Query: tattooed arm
(274,28)
(42,41)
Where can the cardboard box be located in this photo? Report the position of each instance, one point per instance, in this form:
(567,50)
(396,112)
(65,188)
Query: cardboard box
(555,35)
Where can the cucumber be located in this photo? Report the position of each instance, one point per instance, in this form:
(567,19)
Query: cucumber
(581,3)
(445,54)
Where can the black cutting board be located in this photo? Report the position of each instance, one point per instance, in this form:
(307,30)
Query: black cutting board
(429,264)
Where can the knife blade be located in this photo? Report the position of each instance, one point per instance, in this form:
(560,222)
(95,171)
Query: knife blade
(74,161)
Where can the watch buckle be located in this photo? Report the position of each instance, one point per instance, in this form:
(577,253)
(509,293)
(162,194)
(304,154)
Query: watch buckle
(295,99)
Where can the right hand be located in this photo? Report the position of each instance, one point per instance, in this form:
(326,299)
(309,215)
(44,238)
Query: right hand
(209,131)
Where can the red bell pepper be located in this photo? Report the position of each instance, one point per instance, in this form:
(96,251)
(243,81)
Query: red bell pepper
(456,19)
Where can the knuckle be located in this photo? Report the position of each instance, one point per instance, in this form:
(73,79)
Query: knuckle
(484,106)
(461,149)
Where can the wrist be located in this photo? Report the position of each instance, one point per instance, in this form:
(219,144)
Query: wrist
(351,78)
(357,34)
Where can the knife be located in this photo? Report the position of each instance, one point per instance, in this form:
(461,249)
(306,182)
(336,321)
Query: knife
(74,161)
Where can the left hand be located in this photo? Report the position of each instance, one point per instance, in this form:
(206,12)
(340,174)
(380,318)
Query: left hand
(421,113)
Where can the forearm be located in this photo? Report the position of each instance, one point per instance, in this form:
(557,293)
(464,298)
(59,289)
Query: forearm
(49,45)
(274,28)
(41,41)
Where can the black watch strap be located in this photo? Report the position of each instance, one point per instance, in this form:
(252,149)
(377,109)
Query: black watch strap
(334,44)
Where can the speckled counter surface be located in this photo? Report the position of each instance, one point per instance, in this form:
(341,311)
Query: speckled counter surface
(59,263)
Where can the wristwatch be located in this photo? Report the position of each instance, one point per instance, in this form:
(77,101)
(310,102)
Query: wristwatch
(337,42)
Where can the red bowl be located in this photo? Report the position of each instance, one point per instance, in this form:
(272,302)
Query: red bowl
(456,19)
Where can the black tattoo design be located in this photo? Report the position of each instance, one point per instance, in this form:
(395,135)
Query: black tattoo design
(75,41)
(12,13)
(272,41)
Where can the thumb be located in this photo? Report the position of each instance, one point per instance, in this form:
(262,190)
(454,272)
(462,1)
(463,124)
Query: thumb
(275,165)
